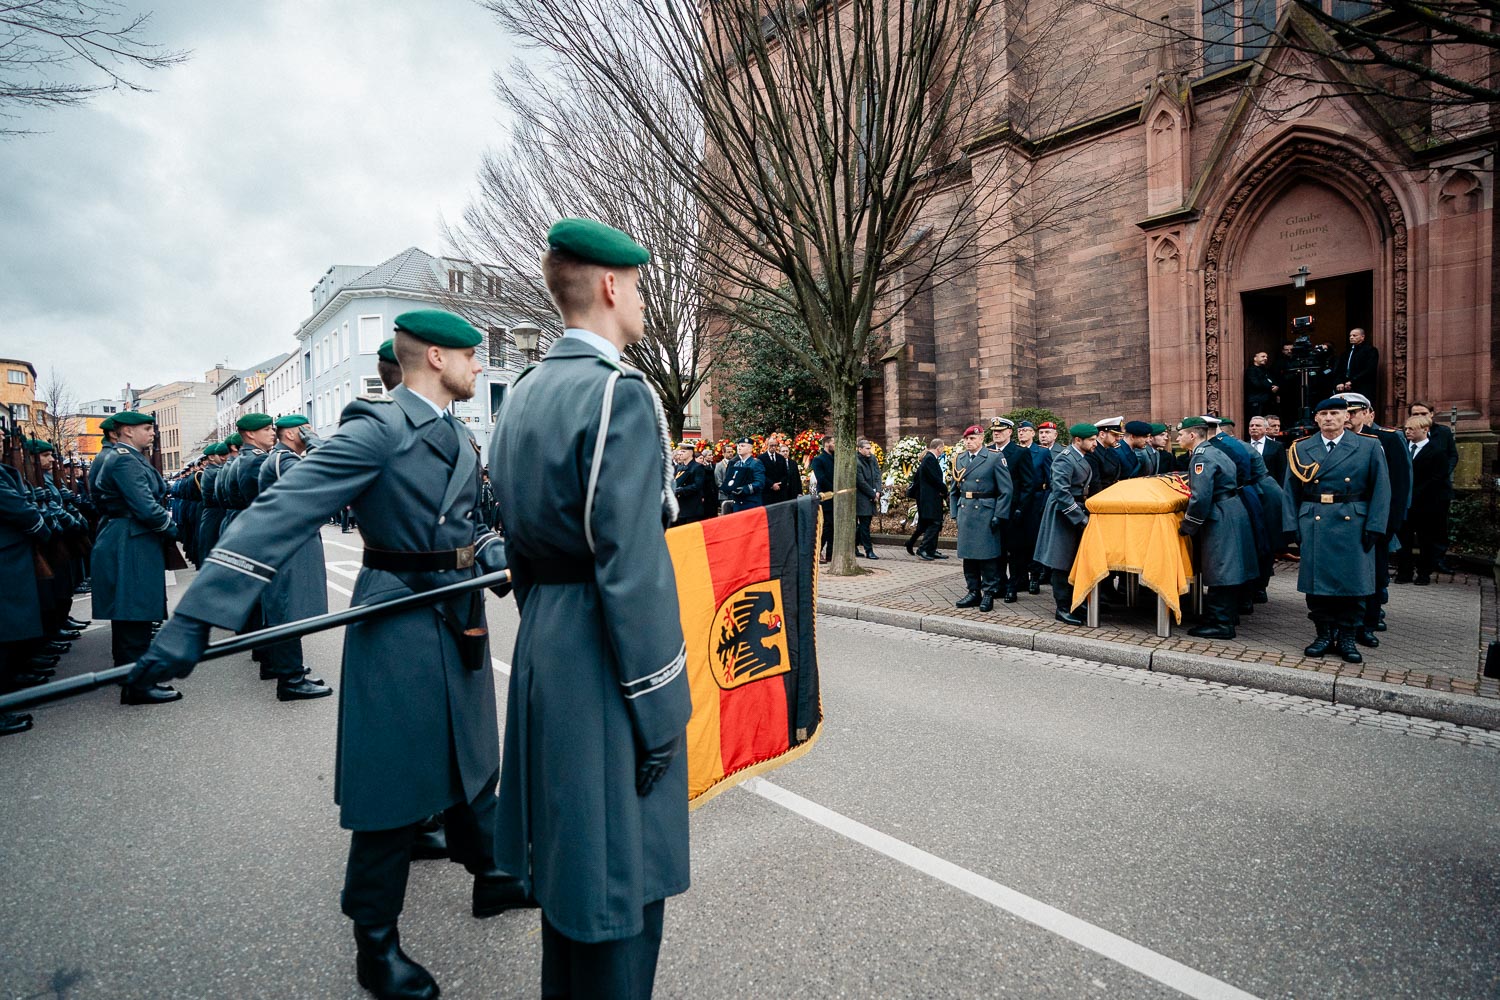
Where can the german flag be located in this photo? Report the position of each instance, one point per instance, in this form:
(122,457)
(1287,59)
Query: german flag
(746,587)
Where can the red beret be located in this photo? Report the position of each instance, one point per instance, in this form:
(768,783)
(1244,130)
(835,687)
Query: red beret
(973,429)
(1046,423)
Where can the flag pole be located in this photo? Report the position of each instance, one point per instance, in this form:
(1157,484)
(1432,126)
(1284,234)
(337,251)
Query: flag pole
(68,687)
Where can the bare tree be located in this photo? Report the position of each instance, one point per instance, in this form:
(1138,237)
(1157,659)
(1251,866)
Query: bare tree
(839,154)
(61,53)
(60,424)
(568,154)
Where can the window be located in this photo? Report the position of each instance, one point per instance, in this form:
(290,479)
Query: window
(490,284)
(1349,10)
(16,376)
(23,412)
(456,281)
(346,340)
(317,359)
(111,409)
(369,328)
(373,386)
(348,393)
(498,337)
(1218,34)
(1235,30)
(333,355)
(338,405)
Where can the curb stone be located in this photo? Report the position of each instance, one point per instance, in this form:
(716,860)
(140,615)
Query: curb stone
(1443,706)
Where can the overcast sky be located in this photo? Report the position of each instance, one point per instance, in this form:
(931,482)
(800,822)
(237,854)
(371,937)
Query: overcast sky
(147,237)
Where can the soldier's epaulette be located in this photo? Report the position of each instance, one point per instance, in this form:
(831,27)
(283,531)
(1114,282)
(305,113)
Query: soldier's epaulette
(1302,438)
(374,397)
(122,451)
(1364,435)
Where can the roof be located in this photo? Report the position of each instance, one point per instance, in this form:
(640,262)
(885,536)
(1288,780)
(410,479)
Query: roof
(411,270)
(18,361)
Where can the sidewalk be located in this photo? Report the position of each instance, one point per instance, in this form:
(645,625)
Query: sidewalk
(1434,644)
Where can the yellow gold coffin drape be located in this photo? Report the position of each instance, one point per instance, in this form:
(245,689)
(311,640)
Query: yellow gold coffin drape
(1133,529)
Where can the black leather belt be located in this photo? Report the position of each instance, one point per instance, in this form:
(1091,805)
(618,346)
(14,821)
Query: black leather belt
(981,496)
(419,562)
(559,571)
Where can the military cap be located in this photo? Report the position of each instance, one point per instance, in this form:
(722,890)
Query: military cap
(973,429)
(290,420)
(1110,423)
(1047,425)
(1158,428)
(107,424)
(1027,423)
(1356,400)
(220,448)
(440,327)
(1211,420)
(1083,431)
(1139,428)
(387,352)
(1195,421)
(1226,421)
(744,441)
(233,441)
(253,422)
(597,243)
(133,418)
(1332,403)
(212,449)
(37,446)
(1003,422)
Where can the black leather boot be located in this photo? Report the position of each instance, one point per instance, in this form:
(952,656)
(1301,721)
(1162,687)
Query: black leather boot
(301,689)
(1078,617)
(969,600)
(431,842)
(496,892)
(1218,617)
(1322,643)
(1366,637)
(987,603)
(1010,595)
(154,694)
(1347,649)
(11,724)
(387,971)
(76,625)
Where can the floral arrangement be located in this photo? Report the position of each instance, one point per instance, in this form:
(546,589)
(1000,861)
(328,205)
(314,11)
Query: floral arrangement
(904,457)
(879,454)
(806,445)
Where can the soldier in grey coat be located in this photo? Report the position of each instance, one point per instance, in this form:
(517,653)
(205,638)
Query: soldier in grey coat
(417,731)
(593,797)
(1064,518)
(129,558)
(1339,492)
(300,589)
(1225,556)
(22,529)
(211,521)
(980,498)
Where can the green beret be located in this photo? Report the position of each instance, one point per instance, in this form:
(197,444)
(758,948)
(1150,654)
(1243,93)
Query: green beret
(1083,431)
(387,352)
(133,418)
(290,420)
(219,448)
(437,326)
(253,422)
(1158,428)
(233,441)
(211,450)
(1189,422)
(37,446)
(107,424)
(597,243)
(1226,421)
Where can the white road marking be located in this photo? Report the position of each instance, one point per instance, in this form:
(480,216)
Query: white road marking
(500,667)
(1168,972)
(335,587)
(351,548)
(348,569)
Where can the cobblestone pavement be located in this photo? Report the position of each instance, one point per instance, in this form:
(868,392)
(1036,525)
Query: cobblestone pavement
(1436,636)
(1427,729)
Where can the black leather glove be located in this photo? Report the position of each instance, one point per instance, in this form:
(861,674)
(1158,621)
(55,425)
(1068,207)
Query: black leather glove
(491,560)
(1370,538)
(996,523)
(1187,530)
(175,652)
(171,532)
(652,765)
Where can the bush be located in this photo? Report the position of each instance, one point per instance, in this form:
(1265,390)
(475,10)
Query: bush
(1474,522)
(1036,414)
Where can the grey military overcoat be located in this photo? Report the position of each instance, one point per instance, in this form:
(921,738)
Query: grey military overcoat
(1272,499)
(129,562)
(984,472)
(1353,478)
(598,671)
(300,589)
(211,521)
(1064,516)
(417,729)
(1225,555)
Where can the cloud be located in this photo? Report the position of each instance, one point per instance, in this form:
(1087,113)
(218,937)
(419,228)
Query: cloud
(149,236)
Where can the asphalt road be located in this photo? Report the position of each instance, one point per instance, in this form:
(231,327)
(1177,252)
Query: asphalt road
(1153,833)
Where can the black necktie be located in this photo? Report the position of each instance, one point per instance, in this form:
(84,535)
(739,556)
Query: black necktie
(1413,447)
(1329,442)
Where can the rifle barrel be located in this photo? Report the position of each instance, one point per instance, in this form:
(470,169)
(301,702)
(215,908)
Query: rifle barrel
(82,683)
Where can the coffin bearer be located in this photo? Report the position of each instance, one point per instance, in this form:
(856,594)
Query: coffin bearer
(1225,554)
(417,722)
(300,589)
(129,558)
(1340,494)
(1148,461)
(593,799)
(1064,517)
(981,498)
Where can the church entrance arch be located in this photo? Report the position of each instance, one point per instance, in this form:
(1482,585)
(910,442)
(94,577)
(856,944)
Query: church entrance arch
(1310,205)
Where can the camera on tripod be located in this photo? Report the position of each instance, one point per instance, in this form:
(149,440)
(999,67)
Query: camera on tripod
(1306,356)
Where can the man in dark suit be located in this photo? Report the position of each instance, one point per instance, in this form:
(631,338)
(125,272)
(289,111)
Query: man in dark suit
(781,478)
(822,470)
(1356,370)
(688,484)
(932,503)
(1426,526)
(1273,453)
(1398,469)
(1260,384)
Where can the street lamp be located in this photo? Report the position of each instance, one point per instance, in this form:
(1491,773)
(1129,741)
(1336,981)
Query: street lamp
(526,336)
